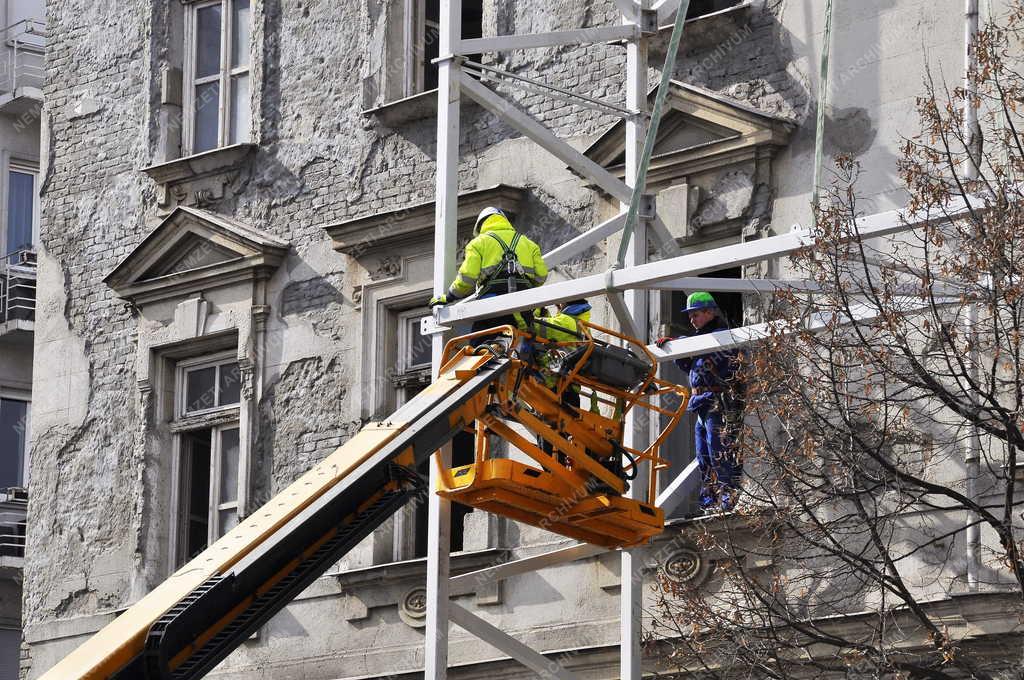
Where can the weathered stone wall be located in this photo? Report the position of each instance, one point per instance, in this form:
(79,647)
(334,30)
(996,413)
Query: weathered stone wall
(93,545)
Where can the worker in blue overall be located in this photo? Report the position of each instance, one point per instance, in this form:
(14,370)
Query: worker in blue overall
(717,406)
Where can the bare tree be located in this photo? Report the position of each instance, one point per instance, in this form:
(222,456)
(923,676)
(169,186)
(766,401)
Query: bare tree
(882,511)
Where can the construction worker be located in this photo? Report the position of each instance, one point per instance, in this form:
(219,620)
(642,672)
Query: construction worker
(565,327)
(498,260)
(717,407)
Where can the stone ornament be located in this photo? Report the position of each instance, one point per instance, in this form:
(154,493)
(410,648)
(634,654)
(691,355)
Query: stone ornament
(412,608)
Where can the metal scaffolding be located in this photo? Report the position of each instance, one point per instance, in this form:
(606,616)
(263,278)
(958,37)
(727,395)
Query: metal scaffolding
(626,284)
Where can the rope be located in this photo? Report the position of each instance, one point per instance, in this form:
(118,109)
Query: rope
(819,133)
(652,132)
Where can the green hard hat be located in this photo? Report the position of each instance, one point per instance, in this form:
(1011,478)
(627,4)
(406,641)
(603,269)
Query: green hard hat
(700,300)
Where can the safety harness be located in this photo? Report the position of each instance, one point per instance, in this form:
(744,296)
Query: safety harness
(509,269)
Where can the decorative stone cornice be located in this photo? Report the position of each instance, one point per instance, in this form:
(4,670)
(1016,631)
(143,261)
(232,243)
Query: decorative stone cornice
(390,230)
(700,130)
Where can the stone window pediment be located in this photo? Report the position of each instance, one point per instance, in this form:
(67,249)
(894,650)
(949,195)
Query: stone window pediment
(699,130)
(193,250)
(390,231)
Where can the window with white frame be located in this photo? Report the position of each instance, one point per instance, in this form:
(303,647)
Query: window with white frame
(217,54)
(209,461)
(422,36)
(14,428)
(22,209)
(412,362)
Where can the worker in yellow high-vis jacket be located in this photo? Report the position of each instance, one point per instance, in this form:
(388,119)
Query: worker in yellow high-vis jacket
(498,260)
(564,327)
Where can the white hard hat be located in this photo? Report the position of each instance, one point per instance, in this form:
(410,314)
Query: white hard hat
(484,214)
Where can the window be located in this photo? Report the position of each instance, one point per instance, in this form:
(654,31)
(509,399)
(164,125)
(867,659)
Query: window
(209,386)
(208,490)
(422,37)
(209,470)
(412,365)
(217,74)
(21,210)
(10,653)
(14,424)
(410,376)
(699,8)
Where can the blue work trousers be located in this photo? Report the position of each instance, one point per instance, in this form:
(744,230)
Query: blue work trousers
(721,470)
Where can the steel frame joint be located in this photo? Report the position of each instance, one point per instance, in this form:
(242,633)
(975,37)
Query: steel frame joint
(648,22)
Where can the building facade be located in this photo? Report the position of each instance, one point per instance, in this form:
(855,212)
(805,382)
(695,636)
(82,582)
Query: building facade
(21,86)
(235,251)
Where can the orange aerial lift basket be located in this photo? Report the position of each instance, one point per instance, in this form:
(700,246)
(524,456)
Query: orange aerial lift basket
(562,410)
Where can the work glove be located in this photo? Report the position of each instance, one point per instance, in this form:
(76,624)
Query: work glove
(700,402)
(660,342)
(438,300)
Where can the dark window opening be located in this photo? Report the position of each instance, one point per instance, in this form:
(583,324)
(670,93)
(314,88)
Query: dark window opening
(472,27)
(730,304)
(195,491)
(699,8)
(13,438)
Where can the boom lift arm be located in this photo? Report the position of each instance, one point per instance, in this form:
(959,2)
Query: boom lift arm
(192,621)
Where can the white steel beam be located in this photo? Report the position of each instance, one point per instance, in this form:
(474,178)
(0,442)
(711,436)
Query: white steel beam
(728,339)
(580,36)
(535,661)
(646,275)
(500,572)
(445,240)
(721,285)
(584,241)
(665,8)
(632,311)
(676,492)
(621,309)
(546,139)
(653,274)
(667,242)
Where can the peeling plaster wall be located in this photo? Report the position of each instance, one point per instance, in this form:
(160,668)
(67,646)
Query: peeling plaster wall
(95,542)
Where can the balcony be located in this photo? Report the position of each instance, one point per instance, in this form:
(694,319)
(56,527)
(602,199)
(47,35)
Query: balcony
(22,70)
(18,292)
(13,506)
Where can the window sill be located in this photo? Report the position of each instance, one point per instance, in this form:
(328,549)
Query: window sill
(200,164)
(417,107)
(21,101)
(202,421)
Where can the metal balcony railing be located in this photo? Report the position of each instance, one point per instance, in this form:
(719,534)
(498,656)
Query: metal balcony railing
(13,506)
(24,63)
(18,286)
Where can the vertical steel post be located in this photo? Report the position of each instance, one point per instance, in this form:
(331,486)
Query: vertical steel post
(972,455)
(445,239)
(631,596)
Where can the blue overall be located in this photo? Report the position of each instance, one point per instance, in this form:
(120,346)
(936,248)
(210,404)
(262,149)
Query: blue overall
(720,468)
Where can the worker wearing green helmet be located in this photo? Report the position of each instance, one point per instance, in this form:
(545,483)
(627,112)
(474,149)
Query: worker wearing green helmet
(717,406)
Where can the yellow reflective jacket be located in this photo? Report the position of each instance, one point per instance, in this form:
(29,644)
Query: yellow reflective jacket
(564,326)
(481,268)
